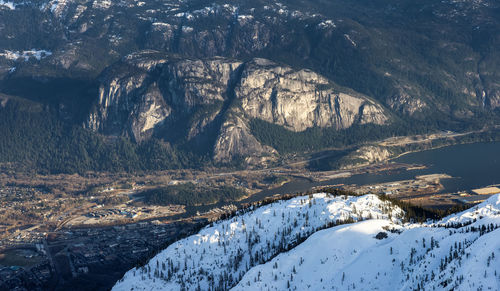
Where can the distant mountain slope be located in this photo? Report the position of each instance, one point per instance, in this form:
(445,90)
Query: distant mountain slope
(211,102)
(249,252)
(334,68)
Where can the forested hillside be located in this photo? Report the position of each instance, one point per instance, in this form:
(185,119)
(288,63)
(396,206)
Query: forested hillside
(231,83)
(35,138)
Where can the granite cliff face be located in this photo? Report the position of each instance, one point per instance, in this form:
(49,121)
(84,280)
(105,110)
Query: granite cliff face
(365,155)
(147,92)
(301,99)
(444,69)
(236,140)
(212,100)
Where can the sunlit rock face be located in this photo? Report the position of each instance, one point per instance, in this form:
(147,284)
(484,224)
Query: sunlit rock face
(147,94)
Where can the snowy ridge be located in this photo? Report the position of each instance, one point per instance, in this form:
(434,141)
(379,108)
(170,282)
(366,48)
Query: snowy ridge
(219,256)
(460,252)
(488,209)
(413,257)
(26,55)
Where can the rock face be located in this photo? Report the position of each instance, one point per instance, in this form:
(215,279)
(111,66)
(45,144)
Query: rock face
(404,103)
(129,105)
(212,100)
(146,92)
(235,139)
(491,95)
(366,155)
(301,99)
(350,44)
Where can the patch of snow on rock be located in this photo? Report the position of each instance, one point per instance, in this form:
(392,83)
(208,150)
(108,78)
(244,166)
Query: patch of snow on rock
(26,55)
(9,5)
(327,24)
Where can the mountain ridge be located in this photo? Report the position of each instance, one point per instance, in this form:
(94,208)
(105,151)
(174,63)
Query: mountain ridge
(219,96)
(374,250)
(428,65)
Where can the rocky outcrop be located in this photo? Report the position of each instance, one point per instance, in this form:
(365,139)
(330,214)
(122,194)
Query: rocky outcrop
(366,155)
(147,94)
(236,141)
(403,102)
(129,102)
(301,99)
(191,83)
(86,37)
(494,98)
(150,111)
(491,94)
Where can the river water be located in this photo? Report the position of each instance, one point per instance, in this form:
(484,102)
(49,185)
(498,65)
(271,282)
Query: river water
(471,166)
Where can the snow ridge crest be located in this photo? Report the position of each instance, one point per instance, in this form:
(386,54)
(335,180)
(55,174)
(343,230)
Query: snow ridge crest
(333,243)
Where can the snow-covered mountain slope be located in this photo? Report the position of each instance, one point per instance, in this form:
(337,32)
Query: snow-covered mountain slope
(249,252)
(219,256)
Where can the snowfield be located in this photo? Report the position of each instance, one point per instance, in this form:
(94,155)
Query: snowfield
(26,55)
(320,242)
